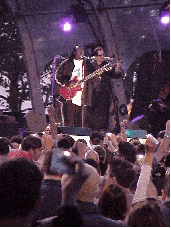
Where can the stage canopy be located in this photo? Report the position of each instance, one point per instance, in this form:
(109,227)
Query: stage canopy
(126,28)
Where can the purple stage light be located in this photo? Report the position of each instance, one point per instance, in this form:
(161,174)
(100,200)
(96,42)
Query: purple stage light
(66,24)
(67,27)
(164,13)
(165,19)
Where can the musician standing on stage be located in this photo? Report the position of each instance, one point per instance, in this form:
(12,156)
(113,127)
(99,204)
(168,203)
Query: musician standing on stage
(102,94)
(76,66)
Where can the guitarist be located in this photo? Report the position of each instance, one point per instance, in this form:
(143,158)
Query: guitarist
(102,94)
(73,69)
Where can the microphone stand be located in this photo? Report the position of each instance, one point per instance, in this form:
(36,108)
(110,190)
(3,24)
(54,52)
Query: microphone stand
(52,91)
(53,80)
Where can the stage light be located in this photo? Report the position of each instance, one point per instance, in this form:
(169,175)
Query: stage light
(75,14)
(165,19)
(164,13)
(67,23)
(67,27)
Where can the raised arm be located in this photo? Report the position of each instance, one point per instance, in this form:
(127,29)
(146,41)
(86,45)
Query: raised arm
(53,128)
(144,183)
(73,182)
(123,131)
(164,147)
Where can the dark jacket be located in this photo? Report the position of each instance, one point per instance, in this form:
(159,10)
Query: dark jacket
(51,191)
(91,217)
(67,216)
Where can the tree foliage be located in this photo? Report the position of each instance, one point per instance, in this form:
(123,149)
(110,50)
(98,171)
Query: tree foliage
(12,66)
(13,77)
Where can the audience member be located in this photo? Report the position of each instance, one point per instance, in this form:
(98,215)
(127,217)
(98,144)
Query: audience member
(15,142)
(160,136)
(127,151)
(145,210)
(135,141)
(112,202)
(20,182)
(165,205)
(92,158)
(85,200)
(66,142)
(51,191)
(4,148)
(96,139)
(31,149)
(80,148)
(145,214)
(102,157)
(162,151)
(104,188)
(123,173)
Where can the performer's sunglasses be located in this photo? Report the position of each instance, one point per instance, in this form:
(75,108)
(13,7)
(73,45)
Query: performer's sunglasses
(101,55)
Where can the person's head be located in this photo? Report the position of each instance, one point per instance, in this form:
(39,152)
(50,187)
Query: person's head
(160,136)
(80,148)
(96,138)
(77,52)
(66,142)
(123,171)
(112,202)
(16,141)
(33,145)
(92,154)
(127,151)
(101,152)
(99,54)
(82,140)
(134,141)
(92,158)
(140,149)
(20,182)
(4,145)
(145,213)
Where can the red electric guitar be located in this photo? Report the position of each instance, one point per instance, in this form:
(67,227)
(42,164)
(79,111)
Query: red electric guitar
(68,92)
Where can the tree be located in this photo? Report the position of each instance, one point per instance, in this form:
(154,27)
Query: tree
(12,66)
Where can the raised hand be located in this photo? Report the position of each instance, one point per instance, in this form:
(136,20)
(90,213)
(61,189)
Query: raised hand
(51,110)
(151,144)
(168,128)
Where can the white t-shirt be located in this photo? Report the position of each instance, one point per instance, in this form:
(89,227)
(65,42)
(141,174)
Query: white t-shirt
(77,71)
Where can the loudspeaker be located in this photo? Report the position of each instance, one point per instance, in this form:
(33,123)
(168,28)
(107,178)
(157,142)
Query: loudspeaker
(34,122)
(75,130)
(139,123)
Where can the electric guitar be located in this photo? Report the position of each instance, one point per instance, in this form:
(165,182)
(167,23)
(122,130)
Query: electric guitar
(68,92)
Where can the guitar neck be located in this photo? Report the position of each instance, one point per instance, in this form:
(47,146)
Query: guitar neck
(105,67)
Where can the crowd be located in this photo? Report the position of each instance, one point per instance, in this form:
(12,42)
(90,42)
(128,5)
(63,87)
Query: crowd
(54,180)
